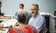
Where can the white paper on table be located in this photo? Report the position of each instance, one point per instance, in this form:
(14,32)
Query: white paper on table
(9,22)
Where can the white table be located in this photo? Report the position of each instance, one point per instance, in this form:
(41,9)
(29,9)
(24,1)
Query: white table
(5,30)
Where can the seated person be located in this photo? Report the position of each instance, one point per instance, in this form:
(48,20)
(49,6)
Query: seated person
(21,9)
(1,14)
(21,27)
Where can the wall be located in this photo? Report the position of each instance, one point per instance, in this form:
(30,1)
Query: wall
(55,3)
(46,5)
(11,6)
(0,0)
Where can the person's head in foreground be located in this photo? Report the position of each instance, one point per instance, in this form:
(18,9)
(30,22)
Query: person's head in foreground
(22,17)
(21,6)
(23,28)
(34,9)
(0,4)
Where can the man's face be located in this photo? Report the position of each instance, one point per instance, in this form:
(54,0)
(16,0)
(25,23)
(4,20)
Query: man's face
(20,6)
(0,5)
(34,10)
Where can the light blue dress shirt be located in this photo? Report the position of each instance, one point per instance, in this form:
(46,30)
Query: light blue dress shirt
(38,22)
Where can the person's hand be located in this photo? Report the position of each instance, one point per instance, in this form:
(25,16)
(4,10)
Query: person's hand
(1,26)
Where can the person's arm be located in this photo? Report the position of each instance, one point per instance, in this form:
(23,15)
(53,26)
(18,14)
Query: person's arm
(16,14)
(29,23)
(41,25)
(35,30)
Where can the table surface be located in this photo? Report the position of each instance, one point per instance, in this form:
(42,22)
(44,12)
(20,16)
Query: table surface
(4,31)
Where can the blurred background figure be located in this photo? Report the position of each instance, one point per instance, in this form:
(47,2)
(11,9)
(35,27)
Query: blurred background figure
(1,14)
(21,6)
(21,27)
(55,12)
(0,7)
(21,9)
(37,20)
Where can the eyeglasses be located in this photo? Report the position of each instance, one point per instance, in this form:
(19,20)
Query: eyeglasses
(33,9)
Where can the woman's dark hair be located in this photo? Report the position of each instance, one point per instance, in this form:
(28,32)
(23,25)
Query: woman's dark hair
(0,2)
(22,18)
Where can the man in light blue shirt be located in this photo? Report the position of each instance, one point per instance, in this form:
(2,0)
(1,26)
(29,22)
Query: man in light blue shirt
(37,20)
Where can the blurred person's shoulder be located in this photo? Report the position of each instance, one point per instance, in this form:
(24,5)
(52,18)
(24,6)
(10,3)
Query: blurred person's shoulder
(41,17)
(31,29)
